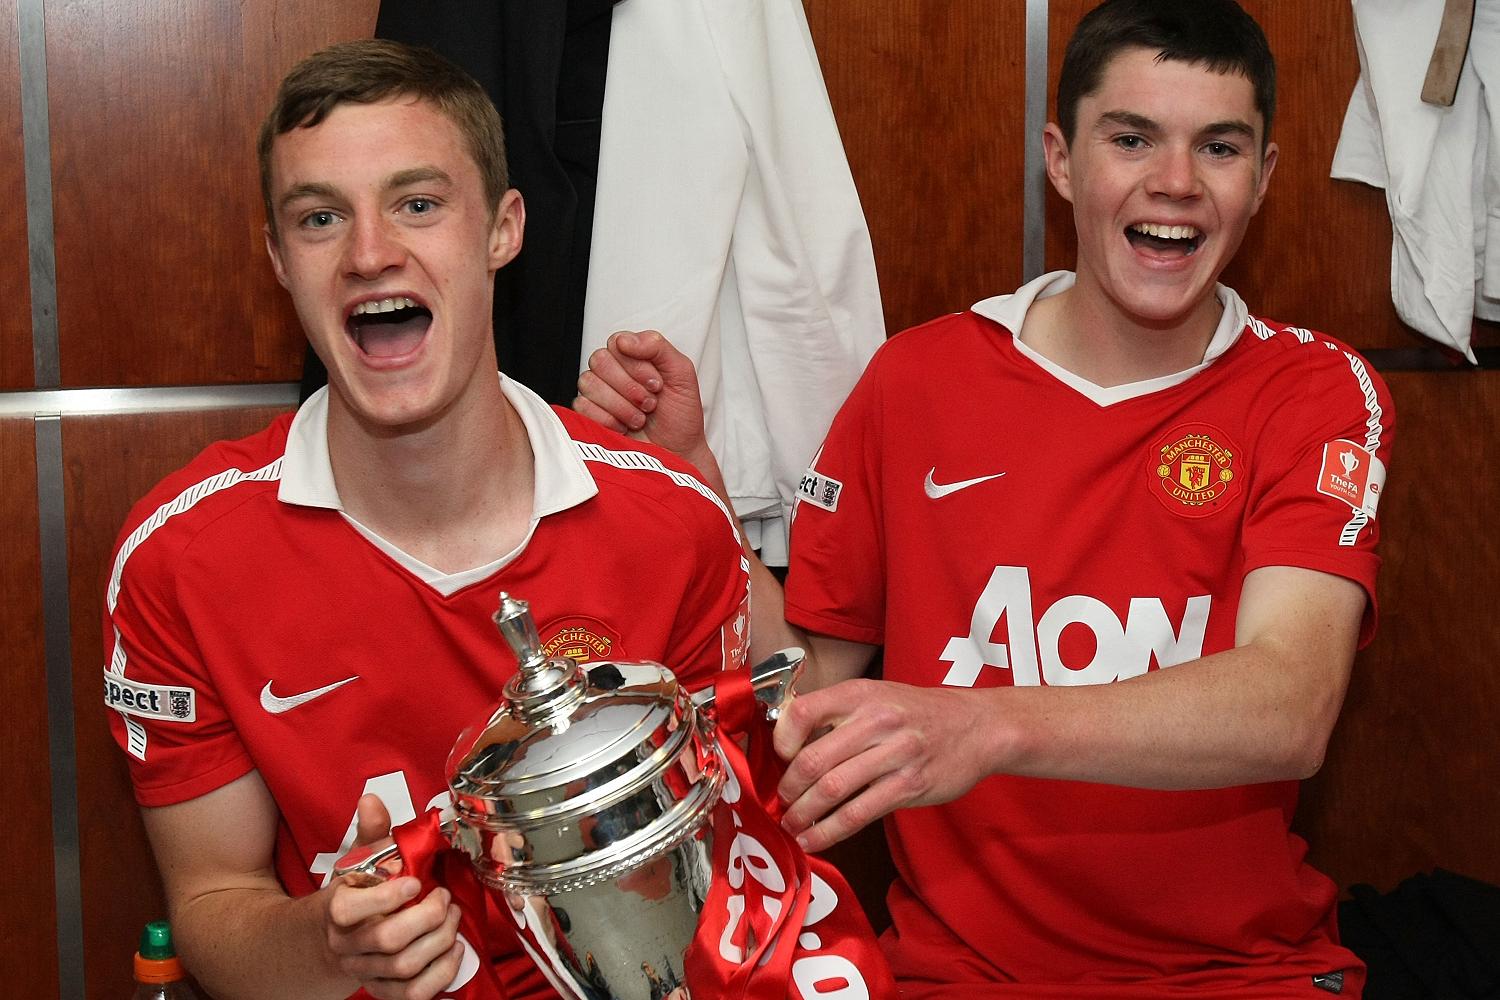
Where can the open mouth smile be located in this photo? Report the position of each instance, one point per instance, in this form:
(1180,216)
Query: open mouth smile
(1163,238)
(388,328)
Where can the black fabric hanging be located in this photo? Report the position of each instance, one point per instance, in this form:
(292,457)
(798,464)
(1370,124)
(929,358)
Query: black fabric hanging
(543,64)
(1436,936)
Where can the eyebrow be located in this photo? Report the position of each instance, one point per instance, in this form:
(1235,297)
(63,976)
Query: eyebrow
(1128,119)
(1140,123)
(307,190)
(1234,126)
(417,175)
(400,179)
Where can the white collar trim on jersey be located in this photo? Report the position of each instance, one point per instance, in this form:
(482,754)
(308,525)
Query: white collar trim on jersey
(562,479)
(1010,312)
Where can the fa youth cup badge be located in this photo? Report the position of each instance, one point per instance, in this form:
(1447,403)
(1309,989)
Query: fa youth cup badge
(1195,470)
(579,638)
(1351,474)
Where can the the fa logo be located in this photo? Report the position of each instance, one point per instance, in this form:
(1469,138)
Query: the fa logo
(819,489)
(1356,478)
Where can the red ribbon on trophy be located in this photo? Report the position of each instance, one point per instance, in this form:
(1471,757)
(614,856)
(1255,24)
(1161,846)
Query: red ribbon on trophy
(778,922)
(427,855)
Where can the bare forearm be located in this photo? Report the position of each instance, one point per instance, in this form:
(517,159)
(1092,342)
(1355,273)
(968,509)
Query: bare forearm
(253,943)
(1227,719)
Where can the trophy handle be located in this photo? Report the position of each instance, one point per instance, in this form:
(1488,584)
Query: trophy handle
(372,864)
(362,866)
(771,679)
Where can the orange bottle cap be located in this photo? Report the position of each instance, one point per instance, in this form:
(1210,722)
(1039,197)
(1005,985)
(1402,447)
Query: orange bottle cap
(158,970)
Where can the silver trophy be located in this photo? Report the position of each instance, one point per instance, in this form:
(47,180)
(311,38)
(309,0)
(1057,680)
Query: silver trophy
(586,799)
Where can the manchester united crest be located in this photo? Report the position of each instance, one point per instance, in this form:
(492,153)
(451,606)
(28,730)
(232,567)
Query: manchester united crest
(1195,470)
(579,638)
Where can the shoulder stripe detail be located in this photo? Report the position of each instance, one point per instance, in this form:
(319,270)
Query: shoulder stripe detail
(135,733)
(1350,535)
(1374,413)
(1373,410)
(184,501)
(591,452)
(1373,428)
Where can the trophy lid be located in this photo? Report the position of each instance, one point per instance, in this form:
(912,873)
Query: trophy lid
(567,739)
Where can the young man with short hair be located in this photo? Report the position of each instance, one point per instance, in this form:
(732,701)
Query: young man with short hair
(1116,538)
(315,599)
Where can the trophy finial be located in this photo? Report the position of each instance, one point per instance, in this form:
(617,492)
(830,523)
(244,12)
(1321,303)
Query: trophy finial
(542,679)
(518,629)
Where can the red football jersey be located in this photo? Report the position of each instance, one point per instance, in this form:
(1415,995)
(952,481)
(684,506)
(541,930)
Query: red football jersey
(993,521)
(246,631)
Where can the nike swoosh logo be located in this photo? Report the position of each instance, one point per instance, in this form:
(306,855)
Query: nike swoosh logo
(937,491)
(276,706)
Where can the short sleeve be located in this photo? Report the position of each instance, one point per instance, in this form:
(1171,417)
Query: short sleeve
(165,713)
(711,631)
(836,581)
(1321,474)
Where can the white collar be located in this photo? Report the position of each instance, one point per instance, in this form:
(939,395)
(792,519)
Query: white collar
(562,479)
(1010,312)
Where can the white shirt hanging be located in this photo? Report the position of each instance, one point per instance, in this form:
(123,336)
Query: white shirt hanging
(1439,166)
(726,217)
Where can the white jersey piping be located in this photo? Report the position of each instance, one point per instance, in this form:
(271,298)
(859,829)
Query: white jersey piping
(1374,412)
(640,460)
(182,502)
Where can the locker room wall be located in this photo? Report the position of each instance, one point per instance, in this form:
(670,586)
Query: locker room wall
(150,112)
(15,298)
(161,285)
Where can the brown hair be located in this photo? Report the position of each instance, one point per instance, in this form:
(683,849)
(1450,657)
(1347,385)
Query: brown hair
(1215,34)
(372,70)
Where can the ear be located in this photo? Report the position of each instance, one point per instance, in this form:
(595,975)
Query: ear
(1267,167)
(273,250)
(507,230)
(1055,157)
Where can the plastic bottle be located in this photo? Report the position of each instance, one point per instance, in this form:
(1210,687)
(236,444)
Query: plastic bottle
(158,973)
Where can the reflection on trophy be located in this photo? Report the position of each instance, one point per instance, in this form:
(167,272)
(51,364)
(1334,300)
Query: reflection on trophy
(586,798)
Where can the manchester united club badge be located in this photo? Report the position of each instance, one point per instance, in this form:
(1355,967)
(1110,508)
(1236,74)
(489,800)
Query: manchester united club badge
(1195,470)
(579,638)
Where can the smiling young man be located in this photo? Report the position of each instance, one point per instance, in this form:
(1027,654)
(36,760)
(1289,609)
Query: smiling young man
(1116,538)
(298,623)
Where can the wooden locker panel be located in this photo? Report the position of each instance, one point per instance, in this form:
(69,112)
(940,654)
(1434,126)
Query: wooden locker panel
(1319,254)
(15,279)
(1412,771)
(162,273)
(929,96)
(110,462)
(28,913)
